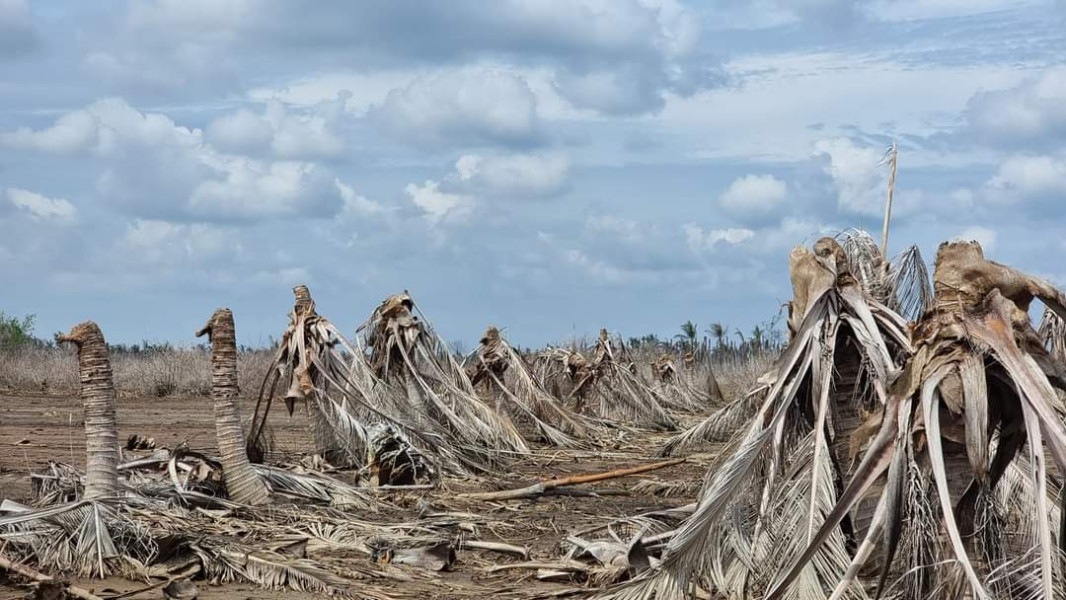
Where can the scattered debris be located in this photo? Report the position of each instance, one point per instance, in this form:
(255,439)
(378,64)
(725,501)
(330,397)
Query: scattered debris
(137,442)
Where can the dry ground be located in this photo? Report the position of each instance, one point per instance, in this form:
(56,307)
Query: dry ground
(35,429)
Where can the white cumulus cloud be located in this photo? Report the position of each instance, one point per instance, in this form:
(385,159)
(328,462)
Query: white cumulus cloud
(1032,112)
(701,241)
(438,206)
(470,106)
(754,195)
(40,207)
(287,134)
(1030,176)
(154,168)
(511,175)
(858,174)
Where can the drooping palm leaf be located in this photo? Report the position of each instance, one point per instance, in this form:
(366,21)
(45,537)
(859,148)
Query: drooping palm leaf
(781,479)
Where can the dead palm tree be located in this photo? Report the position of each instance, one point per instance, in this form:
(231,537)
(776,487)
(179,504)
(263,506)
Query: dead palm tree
(503,373)
(980,389)
(769,493)
(953,467)
(98,396)
(892,286)
(91,535)
(318,367)
(243,483)
(354,419)
(678,388)
(117,529)
(437,395)
(609,385)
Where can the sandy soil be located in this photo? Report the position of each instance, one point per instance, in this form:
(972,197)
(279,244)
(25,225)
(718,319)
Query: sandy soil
(37,429)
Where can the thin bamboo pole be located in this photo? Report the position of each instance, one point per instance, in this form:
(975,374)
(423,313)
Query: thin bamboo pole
(894,154)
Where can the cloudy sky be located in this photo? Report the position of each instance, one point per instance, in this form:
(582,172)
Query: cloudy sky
(550,166)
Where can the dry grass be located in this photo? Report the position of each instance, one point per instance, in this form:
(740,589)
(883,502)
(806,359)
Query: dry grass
(154,373)
(737,374)
(185,372)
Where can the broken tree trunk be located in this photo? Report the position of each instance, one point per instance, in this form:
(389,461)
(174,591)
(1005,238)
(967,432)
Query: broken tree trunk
(98,395)
(243,483)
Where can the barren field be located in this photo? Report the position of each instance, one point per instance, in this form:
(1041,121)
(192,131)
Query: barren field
(36,429)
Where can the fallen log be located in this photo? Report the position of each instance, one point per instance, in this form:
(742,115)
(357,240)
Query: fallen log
(495,547)
(38,577)
(545,485)
(570,566)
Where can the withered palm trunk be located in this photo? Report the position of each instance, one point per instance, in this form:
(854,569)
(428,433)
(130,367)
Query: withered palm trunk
(98,396)
(242,481)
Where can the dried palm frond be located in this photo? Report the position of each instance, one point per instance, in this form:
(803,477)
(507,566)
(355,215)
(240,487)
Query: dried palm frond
(665,489)
(979,389)
(309,361)
(425,383)
(776,486)
(901,284)
(518,392)
(229,562)
(678,389)
(93,538)
(875,337)
(1052,333)
(344,398)
(102,535)
(721,426)
(61,484)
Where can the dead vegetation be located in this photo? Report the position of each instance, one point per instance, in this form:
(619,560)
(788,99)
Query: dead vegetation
(897,447)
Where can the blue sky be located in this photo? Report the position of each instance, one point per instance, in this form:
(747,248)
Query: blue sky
(549,166)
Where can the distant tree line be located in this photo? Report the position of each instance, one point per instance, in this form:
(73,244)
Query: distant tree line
(719,341)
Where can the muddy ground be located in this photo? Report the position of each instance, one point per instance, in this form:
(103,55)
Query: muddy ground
(37,429)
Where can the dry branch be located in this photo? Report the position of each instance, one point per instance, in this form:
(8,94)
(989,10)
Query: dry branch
(34,575)
(496,547)
(545,485)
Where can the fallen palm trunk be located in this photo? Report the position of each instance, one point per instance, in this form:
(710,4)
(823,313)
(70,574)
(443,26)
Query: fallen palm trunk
(243,484)
(546,485)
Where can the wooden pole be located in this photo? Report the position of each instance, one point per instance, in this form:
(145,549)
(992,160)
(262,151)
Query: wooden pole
(894,154)
(550,484)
